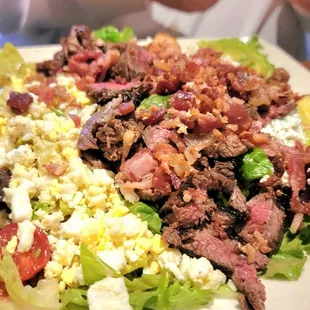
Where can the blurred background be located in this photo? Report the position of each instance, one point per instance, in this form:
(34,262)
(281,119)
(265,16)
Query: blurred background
(282,22)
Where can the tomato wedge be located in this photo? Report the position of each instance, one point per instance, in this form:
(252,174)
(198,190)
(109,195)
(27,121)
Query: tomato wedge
(33,261)
(3,293)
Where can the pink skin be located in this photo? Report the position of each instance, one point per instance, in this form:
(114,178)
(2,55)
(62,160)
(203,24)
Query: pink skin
(303,6)
(189,5)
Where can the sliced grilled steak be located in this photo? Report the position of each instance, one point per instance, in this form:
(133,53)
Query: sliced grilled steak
(134,63)
(112,136)
(246,280)
(51,67)
(211,180)
(106,91)
(187,208)
(80,39)
(226,254)
(225,168)
(152,135)
(87,139)
(266,219)
(5,177)
(231,147)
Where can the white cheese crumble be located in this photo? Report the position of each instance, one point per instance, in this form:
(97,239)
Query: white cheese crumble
(288,129)
(25,234)
(109,293)
(18,199)
(199,271)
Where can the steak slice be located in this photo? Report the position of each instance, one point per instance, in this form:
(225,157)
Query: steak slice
(5,177)
(51,67)
(111,139)
(106,91)
(87,139)
(246,280)
(226,254)
(134,63)
(108,133)
(266,219)
(230,147)
(226,168)
(152,135)
(211,180)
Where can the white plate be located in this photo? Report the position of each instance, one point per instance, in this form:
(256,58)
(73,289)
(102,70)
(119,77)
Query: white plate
(284,295)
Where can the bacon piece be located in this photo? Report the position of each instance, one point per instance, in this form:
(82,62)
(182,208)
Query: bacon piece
(237,114)
(183,101)
(153,135)
(296,159)
(76,119)
(138,166)
(126,107)
(151,116)
(163,151)
(161,180)
(56,169)
(19,102)
(178,141)
(93,65)
(206,123)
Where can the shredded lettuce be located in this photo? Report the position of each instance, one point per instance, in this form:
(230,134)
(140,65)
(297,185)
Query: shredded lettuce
(12,64)
(145,282)
(303,108)
(74,299)
(158,292)
(147,214)
(38,205)
(94,269)
(248,53)
(255,165)
(43,296)
(112,34)
(154,100)
(290,259)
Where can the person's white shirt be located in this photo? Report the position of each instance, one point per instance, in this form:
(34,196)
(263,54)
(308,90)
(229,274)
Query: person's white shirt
(44,21)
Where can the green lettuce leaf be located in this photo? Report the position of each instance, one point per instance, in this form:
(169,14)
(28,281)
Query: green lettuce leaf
(145,282)
(289,261)
(147,214)
(168,295)
(248,53)
(112,34)
(143,300)
(12,63)
(94,269)
(255,165)
(154,100)
(44,296)
(74,299)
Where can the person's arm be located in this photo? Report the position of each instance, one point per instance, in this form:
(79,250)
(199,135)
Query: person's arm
(303,6)
(188,5)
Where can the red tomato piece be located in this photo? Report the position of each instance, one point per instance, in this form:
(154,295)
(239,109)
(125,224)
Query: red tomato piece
(3,292)
(33,261)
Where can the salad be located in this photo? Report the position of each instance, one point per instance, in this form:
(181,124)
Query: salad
(140,177)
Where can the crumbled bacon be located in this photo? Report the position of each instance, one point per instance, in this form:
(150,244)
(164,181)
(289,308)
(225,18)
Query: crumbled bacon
(19,102)
(126,107)
(76,119)
(138,166)
(56,169)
